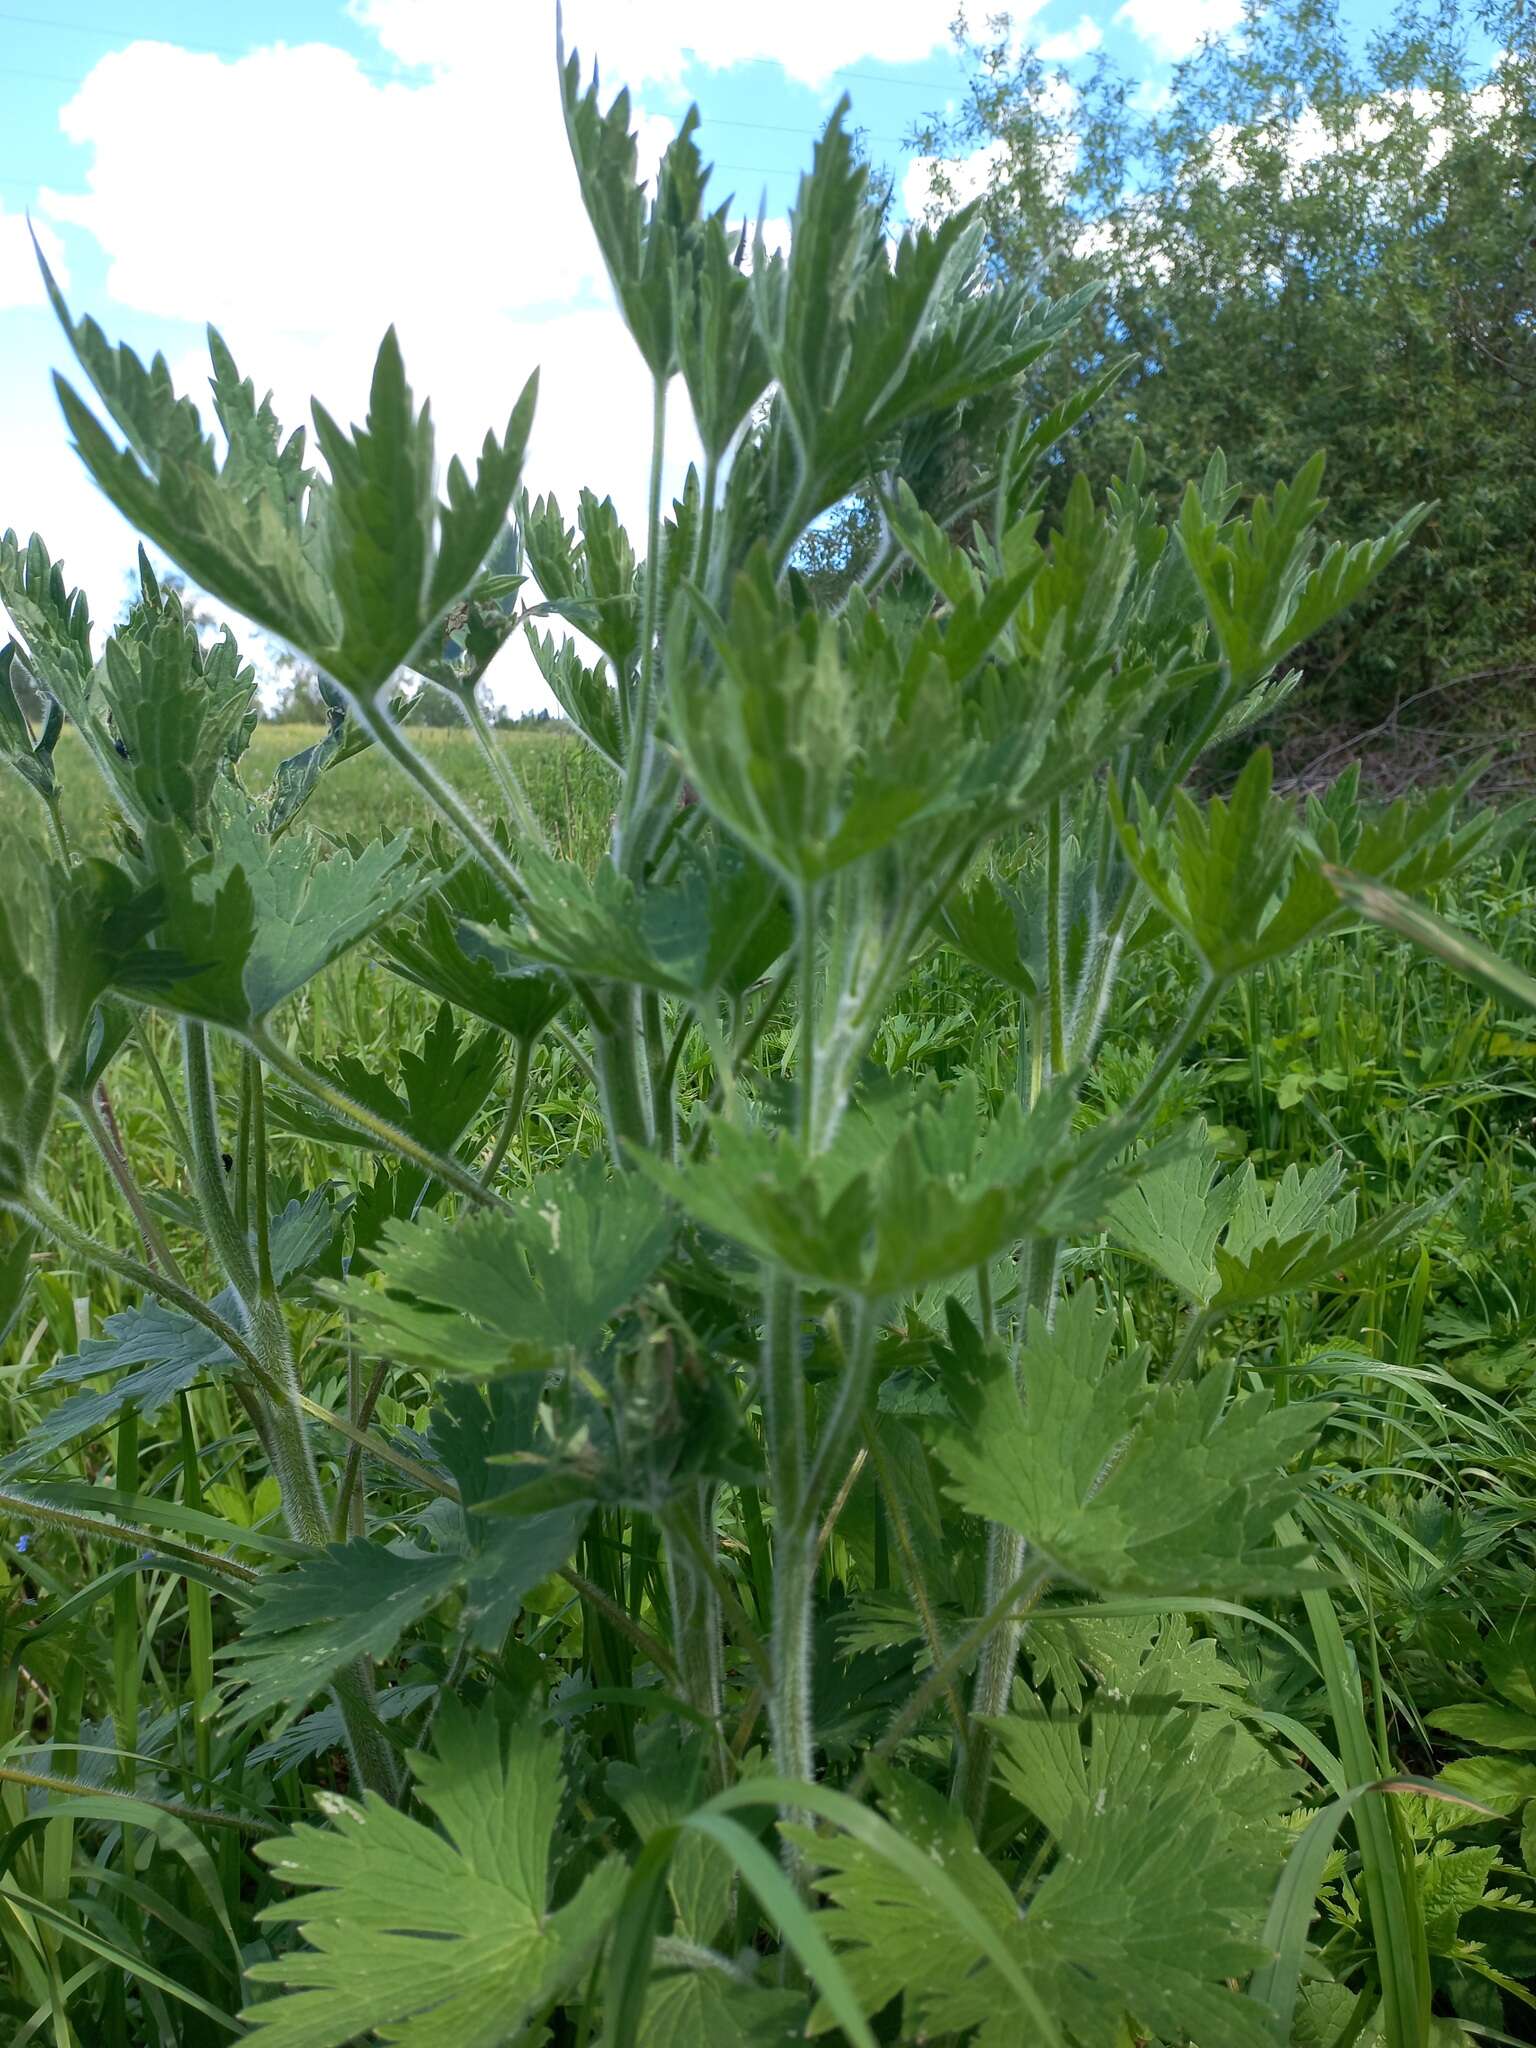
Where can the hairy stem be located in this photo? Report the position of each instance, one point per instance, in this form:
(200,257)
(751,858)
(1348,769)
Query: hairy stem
(180,1136)
(1012,1606)
(661,1073)
(506,777)
(790,1697)
(917,1583)
(26,1505)
(230,1245)
(622,1083)
(286,1436)
(1007,1562)
(1055,936)
(642,729)
(688,1528)
(1202,1001)
(442,796)
(648,1645)
(512,1115)
(360,1419)
(842,1425)
(266,1284)
(44,1215)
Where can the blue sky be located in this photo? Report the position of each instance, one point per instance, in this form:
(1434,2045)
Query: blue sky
(302,172)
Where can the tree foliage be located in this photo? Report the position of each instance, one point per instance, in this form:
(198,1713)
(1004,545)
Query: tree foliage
(1305,243)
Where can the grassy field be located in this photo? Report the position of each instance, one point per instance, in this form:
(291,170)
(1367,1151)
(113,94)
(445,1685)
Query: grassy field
(566,784)
(1357,1048)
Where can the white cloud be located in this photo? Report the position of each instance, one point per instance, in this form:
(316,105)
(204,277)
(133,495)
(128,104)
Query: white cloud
(21,282)
(1152,96)
(460,191)
(1173,28)
(443,201)
(1412,115)
(656,41)
(1072,43)
(448,207)
(963,179)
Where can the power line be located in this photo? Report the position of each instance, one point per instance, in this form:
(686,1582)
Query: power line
(739,170)
(232,50)
(709,121)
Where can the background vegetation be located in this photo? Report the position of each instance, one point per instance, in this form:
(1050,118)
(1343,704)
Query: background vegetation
(1309,244)
(871,1375)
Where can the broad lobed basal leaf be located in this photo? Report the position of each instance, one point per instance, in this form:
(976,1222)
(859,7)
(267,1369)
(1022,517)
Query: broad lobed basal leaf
(247,926)
(1116,1485)
(1165,1844)
(719,923)
(504,1289)
(428,1936)
(1226,1243)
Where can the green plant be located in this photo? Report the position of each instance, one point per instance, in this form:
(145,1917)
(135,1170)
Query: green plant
(760,1395)
(1309,238)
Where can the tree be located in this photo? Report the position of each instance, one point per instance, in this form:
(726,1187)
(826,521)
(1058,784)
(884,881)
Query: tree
(299,698)
(1303,247)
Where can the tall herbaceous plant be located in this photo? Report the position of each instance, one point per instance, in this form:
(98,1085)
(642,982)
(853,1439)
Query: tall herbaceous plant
(783,1380)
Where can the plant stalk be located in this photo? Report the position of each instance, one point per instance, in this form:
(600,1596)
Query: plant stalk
(1007,1562)
(697,1627)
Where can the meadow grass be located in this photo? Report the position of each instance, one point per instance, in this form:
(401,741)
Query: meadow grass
(1358,1046)
(569,788)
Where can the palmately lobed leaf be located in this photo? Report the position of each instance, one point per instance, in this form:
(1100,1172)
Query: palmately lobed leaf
(1153,1900)
(900,1201)
(717,924)
(53,621)
(504,1289)
(431,1937)
(1265,586)
(180,714)
(711,2008)
(247,926)
(372,563)
(1227,1244)
(1114,1484)
(1168,1825)
(1234,877)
